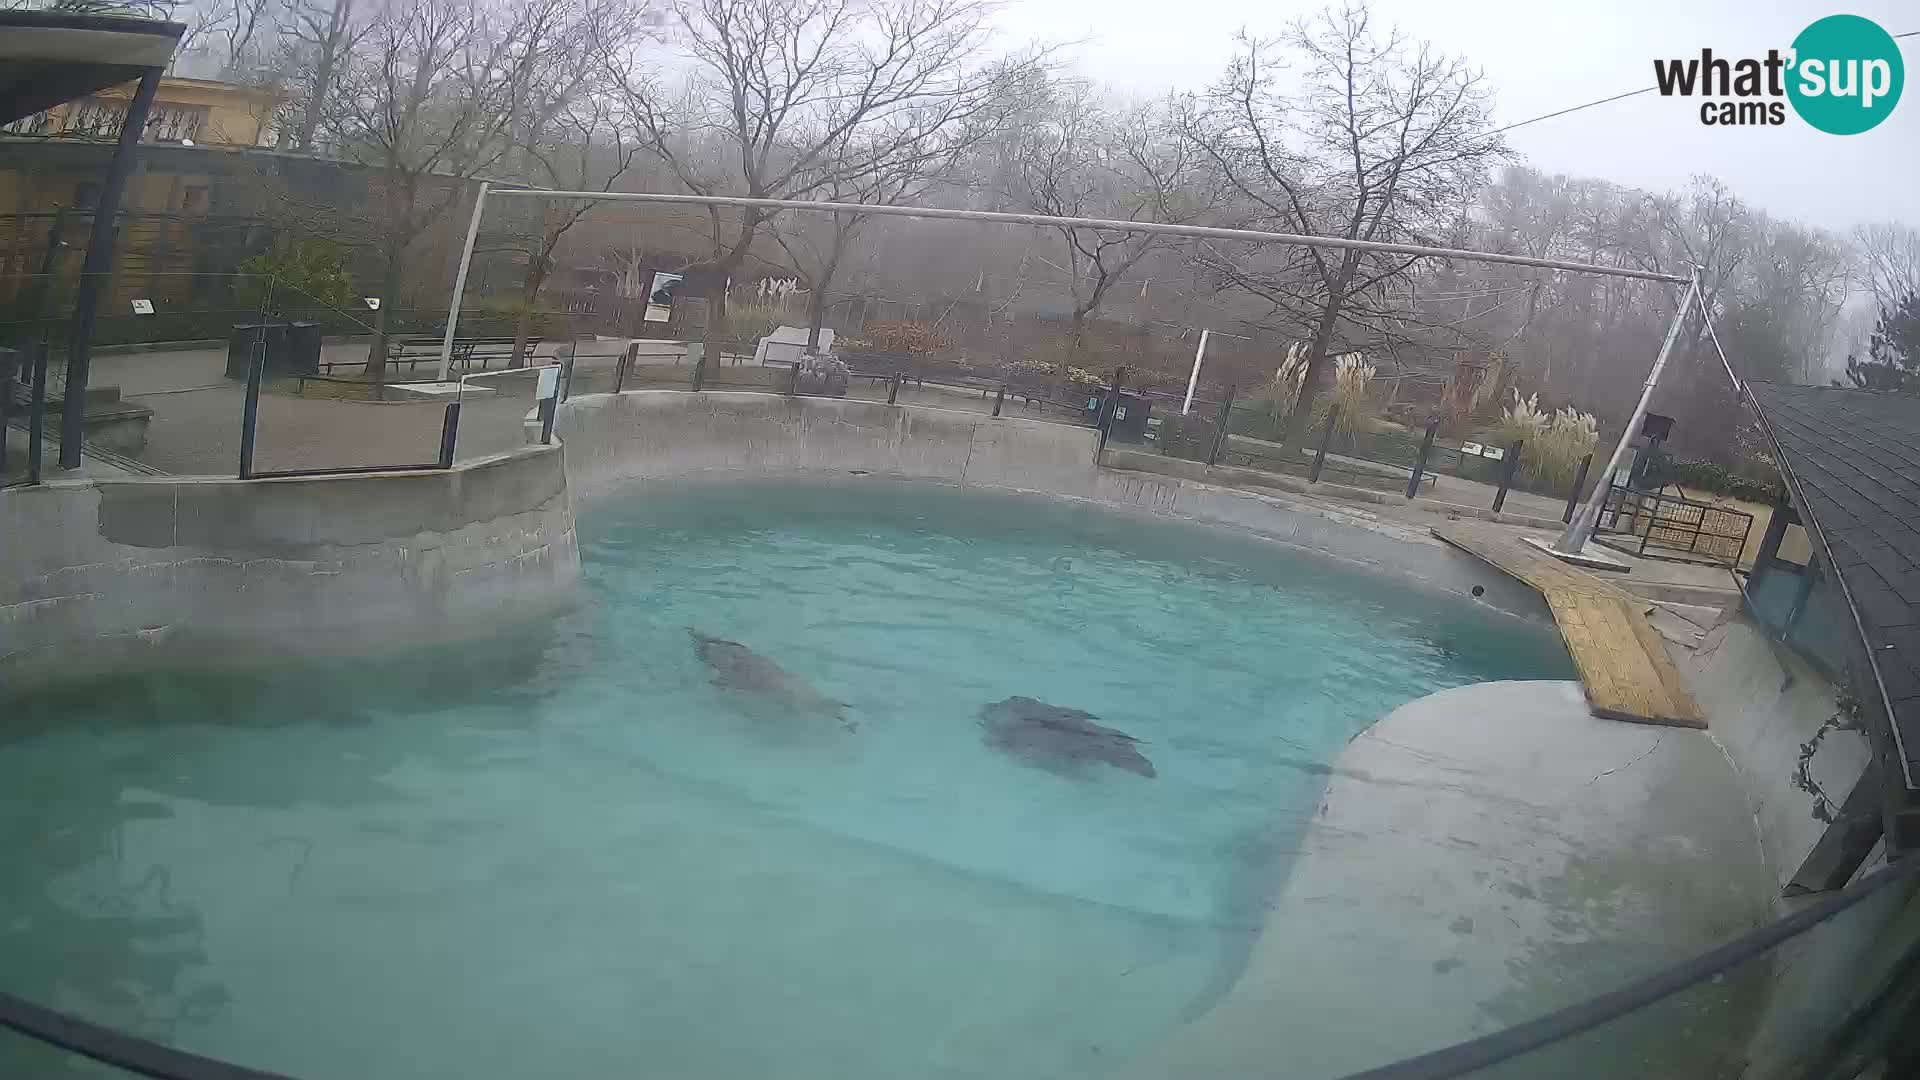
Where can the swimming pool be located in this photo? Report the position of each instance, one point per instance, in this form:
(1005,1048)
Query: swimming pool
(607,846)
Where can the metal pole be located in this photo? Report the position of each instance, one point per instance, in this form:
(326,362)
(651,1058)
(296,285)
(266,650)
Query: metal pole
(1220,431)
(99,263)
(1420,463)
(37,416)
(1510,466)
(620,369)
(1320,455)
(1107,410)
(1193,378)
(460,282)
(1579,482)
(1151,228)
(449,433)
(250,412)
(42,303)
(1580,530)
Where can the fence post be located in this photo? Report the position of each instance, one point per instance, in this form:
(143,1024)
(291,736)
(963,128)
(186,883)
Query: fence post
(1508,467)
(449,433)
(1420,463)
(620,369)
(1579,481)
(250,412)
(37,413)
(1220,431)
(1320,455)
(893,389)
(1108,407)
(548,406)
(999,398)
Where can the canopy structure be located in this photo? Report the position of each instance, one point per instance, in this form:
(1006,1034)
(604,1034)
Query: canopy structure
(49,57)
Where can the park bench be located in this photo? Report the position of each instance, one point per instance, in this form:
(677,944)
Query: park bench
(469,354)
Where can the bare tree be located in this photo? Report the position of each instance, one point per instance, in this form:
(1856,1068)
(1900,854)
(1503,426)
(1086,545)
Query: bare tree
(1084,157)
(1384,140)
(318,34)
(568,128)
(1891,254)
(425,97)
(790,97)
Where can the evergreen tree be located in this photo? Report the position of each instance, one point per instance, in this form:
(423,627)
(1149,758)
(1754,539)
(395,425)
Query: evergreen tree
(1893,354)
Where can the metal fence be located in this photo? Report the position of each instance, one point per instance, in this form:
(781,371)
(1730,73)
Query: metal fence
(1661,526)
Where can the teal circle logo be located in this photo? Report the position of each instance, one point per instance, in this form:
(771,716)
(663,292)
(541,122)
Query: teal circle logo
(1846,74)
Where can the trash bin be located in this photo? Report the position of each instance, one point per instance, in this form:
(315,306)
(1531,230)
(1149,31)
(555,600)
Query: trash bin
(1129,422)
(243,339)
(302,354)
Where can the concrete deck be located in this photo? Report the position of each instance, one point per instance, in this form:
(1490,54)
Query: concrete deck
(1622,659)
(1483,856)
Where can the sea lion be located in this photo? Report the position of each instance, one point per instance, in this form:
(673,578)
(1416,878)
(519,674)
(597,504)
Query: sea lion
(736,667)
(1057,738)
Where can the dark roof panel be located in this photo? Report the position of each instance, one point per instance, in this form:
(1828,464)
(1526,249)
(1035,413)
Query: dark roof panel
(1852,459)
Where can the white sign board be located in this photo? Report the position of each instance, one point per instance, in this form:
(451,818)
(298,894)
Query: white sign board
(660,297)
(143,307)
(372,302)
(549,383)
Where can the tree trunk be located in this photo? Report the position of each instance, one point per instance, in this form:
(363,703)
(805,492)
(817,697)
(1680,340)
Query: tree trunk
(377,350)
(1311,382)
(716,339)
(523,323)
(816,317)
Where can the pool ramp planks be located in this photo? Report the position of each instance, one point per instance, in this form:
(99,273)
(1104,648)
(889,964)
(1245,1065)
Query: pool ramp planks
(1622,661)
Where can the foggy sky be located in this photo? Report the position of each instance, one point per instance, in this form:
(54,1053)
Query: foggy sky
(1550,54)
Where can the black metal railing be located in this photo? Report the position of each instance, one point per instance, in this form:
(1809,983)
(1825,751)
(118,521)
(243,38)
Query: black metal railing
(1661,526)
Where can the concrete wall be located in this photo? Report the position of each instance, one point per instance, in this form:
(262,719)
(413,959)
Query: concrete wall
(1775,715)
(616,441)
(104,576)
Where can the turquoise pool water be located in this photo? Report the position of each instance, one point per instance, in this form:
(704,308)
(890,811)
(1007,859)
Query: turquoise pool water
(567,853)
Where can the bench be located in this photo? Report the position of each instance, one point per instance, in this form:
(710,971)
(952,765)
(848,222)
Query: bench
(414,351)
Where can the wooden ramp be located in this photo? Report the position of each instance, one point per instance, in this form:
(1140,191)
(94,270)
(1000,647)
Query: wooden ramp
(1622,660)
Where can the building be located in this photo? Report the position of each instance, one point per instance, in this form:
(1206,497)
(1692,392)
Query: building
(191,112)
(1850,460)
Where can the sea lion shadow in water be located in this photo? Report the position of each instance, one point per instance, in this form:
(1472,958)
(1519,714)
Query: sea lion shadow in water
(1059,739)
(741,670)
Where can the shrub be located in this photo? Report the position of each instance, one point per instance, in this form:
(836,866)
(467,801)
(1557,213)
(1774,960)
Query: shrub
(917,338)
(1553,457)
(1521,420)
(293,275)
(1707,476)
(1352,378)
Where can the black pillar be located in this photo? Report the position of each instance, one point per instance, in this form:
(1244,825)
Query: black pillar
(93,273)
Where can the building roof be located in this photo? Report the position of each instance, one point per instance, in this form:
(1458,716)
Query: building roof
(1851,459)
(47,58)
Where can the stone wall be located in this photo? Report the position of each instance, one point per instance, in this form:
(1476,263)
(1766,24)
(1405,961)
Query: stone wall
(105,576)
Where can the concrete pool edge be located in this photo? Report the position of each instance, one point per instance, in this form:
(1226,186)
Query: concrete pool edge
(618,442)
(102,577)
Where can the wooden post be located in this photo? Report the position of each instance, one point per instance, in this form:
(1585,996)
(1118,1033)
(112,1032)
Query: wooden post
(1508,468)
(1579,481)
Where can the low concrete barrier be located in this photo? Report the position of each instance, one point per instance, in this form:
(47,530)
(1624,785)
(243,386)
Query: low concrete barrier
(106,576)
